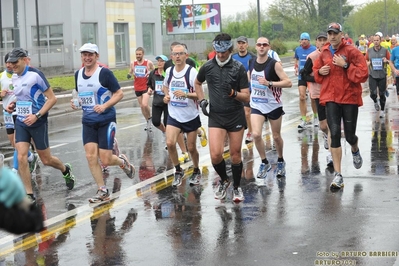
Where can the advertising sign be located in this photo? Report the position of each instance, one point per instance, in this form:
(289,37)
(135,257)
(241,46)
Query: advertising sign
(205,17)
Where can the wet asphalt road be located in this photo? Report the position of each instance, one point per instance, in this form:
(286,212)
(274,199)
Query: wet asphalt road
(291,221)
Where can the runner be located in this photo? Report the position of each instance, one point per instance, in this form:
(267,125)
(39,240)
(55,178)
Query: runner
(267,79)
(341,69)
(180,95)
(34,98)
(228,89)
(98,92)
(139,70)
(301,52)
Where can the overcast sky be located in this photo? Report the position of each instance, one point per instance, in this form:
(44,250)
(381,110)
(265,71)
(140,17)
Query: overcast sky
(231,7)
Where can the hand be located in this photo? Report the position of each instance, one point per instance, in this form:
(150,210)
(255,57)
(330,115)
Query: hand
(166,99)
(12,190)
(99,108)
(129,76)
(149,91)
(30,119)
(204,104)
(324,70)
(11,107)
(180,93)
(338,60)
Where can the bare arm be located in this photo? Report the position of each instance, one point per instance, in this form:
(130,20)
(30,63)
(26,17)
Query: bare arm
(199,90)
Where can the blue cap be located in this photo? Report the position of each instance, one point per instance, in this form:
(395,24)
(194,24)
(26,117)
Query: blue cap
(163,57)
(305,36)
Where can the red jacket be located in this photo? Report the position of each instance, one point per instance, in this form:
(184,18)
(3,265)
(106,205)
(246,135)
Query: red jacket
(341,85)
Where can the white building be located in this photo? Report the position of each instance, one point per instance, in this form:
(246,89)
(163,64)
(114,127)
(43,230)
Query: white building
(118,27)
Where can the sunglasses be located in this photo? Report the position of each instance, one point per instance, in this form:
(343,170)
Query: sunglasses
(264,44)
(178,53)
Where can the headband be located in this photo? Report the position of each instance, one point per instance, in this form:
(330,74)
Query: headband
(222,46)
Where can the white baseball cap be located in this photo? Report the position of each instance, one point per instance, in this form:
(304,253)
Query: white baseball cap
(89,47)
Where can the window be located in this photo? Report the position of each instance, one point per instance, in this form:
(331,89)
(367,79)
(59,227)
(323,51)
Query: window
(88,32)
(148,38)
(51,38)
(8,39)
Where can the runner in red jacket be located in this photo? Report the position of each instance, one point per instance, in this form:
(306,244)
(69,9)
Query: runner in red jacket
(341,69)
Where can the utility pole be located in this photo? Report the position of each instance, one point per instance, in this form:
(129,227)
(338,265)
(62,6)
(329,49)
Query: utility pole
(259,29)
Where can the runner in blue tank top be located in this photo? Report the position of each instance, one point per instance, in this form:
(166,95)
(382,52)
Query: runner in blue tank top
(301,53)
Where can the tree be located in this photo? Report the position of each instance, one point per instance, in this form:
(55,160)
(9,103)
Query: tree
(169,9)
(370,18)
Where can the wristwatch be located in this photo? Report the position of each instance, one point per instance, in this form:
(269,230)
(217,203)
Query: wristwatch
(38,115)
(270,83)
(346,66)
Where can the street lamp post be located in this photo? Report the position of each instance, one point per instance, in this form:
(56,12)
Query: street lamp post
(386,18)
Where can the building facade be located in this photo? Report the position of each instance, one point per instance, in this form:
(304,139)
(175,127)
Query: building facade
(118,27)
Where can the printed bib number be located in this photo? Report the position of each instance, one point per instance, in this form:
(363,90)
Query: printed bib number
(87,100)
(8,121)
(377,63)
(259,93)
(178,101)
(23,108)
(158,87)
(139,71)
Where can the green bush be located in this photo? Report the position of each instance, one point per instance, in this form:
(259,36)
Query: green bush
(65,83)
(279,46)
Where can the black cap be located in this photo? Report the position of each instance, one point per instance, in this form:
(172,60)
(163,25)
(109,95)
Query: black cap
(6,57)
(335,27)
(321,35)
(16,54)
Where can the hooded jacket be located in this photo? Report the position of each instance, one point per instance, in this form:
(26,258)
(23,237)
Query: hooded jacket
(341,85)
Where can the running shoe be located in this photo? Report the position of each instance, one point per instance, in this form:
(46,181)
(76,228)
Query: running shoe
(127,167)
(101,195)
(184,158)
(178,178)
(325,137)
(203,138)
(30,199)
(316,122)
(33,163)
(302,125)
(69,177)
(382,114)
(221,191)
(248,138)
(238,196)
(149,125)
(195,178)
(357,159)
(329,159)
(280,169)
(338,181)
(263,170)
(376,106)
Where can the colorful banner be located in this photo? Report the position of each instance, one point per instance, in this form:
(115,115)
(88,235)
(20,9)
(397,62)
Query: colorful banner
(207,19)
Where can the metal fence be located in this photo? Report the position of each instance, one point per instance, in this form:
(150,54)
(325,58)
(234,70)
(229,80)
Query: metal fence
(57,57)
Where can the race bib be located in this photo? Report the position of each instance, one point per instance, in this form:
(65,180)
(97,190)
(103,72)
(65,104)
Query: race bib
(23,108)
(8,121)
(178,101)
(158,87)
(139,71)
(377,63)
(259,93)
(87,100)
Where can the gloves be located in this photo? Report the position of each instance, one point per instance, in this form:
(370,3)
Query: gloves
(12,190)
(204,103)
(129,76)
